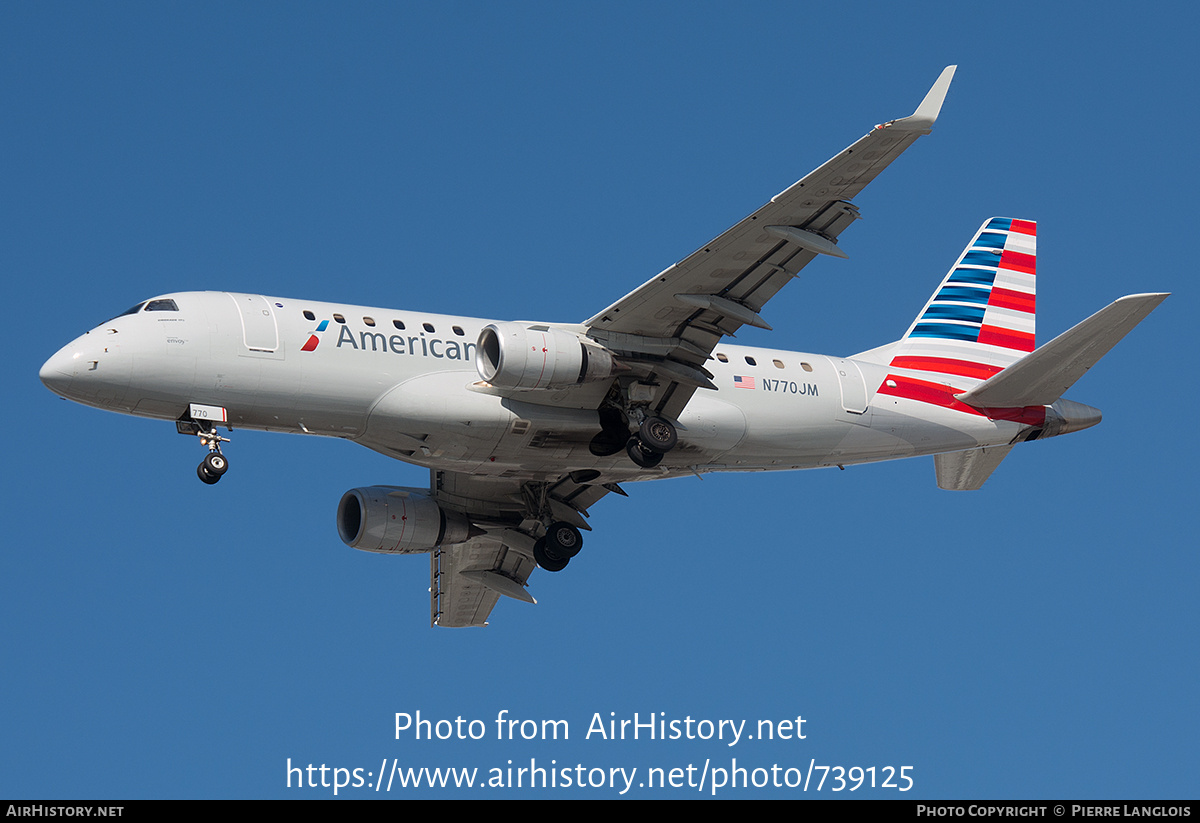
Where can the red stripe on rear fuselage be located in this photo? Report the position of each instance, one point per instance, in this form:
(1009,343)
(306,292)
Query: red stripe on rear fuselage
(939,394)
(945,365)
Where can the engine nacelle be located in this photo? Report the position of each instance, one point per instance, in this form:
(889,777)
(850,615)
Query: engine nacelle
(518,356)
(396,520)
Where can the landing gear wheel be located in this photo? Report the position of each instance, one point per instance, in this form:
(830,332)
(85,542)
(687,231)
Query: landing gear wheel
(547,560)
(642,456)
(563,540)
(657,435)
(216,464)
(608,442)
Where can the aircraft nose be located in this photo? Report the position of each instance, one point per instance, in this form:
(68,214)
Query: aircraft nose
(58,372)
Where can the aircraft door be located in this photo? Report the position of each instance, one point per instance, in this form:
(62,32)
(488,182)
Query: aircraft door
(260,331)
(854,391)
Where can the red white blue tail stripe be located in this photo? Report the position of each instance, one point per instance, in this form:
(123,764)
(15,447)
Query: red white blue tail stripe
(980,320)
(982,317)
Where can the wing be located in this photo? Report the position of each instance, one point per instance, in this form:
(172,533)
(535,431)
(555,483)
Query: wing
(664,332)
(670,325)
(466,580)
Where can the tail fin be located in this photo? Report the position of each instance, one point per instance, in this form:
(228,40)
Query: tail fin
(982,316)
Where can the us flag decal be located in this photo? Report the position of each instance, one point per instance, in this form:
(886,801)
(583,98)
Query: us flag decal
(740,382)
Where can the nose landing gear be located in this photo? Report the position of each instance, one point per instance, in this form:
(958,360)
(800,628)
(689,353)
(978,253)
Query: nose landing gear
(212,467)
(215,464)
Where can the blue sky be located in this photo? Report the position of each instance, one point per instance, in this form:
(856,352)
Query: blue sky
(166,639)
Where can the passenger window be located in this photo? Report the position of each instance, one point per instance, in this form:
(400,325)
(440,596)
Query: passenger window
(309,315)
(398,324)
(162,305)
(339,318)
(778,364)
(458,330)
(370,321)
(722,358)
(428,327)
(806,367)
(751,361)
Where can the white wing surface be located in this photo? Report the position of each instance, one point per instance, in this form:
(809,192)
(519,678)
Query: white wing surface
(671,324)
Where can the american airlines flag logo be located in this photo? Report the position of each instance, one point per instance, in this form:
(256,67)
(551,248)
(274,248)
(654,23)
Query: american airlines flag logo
(740,382)
(313,339)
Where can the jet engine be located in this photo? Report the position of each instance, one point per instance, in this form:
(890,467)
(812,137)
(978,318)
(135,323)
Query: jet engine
(517,356)
(397,520)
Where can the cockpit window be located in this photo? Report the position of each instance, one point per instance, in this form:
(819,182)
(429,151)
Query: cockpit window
(162,305)
(132,310)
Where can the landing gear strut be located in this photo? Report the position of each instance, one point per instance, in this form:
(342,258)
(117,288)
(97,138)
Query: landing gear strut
(215,464)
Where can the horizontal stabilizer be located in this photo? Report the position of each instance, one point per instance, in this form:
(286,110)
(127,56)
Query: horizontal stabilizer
(966,471)
(1043,375)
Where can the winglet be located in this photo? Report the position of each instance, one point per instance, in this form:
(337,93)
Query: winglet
(927,113)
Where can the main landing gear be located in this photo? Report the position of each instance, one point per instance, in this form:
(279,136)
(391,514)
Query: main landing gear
(655,437)
(562,542)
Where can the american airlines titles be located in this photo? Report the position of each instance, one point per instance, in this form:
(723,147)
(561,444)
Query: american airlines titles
(412,345)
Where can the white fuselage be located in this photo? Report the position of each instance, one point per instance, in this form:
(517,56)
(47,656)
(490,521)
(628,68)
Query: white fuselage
(405,384)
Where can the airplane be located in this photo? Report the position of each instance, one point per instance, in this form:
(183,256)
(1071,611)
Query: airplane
(526,425)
